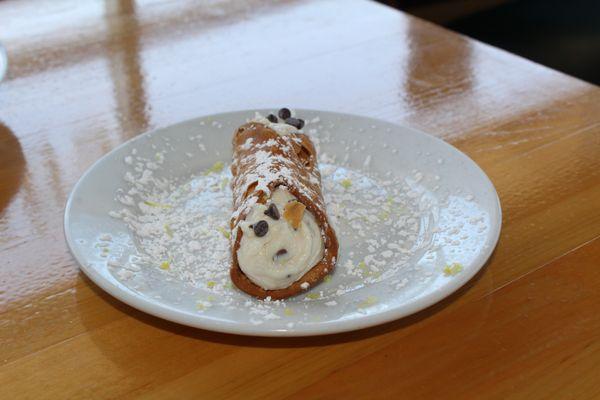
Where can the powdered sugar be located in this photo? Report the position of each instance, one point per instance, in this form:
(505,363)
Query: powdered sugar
(183,233)
(388,225)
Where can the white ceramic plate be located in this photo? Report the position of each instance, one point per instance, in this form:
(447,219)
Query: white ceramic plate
(415,218)
(3,62)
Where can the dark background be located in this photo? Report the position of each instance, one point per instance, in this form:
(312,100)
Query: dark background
(561,34)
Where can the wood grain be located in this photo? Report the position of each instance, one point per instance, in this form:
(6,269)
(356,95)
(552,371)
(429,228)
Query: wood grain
(86,76)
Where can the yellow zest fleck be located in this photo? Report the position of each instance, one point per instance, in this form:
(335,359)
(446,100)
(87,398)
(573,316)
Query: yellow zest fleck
(313,296)
(390,201)
(224,231)
(368,302)
(363,267)
(200,306)
(346,183)
(165,265)
(224,183)
(105,250)
(229,285)
(383,215)
(288,311)
(168,231)
(327,278)
(210,298)
(211,284)
(366,271)
(158,205)
(217,167)
(452,269)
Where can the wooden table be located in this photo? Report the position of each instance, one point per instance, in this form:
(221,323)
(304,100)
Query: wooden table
(86,76)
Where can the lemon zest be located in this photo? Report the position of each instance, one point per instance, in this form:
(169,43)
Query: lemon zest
(168,231)
(453,269)
(224,183)
(368,302)
(211,284)
(364,269)
(224,231)
(165,265)
(288,311)
(313,296)
(216,167)
(346,183)
(155,204)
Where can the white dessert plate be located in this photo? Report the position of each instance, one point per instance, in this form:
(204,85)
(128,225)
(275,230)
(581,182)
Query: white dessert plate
(415,218)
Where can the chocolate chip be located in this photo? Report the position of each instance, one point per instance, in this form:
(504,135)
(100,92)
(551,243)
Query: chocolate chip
(281,252)
(284,113)
(273,212)
(260,228)
(295,122)
(272,118)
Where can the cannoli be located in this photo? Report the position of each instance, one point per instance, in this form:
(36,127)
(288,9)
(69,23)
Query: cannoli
(282,242)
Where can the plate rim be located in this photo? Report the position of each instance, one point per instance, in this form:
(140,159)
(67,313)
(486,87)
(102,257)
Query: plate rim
(201,321)
(3,62)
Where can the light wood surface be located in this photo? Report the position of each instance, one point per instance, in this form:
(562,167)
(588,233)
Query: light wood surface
(84,76)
